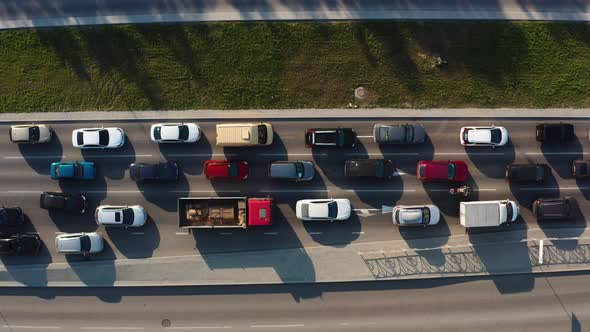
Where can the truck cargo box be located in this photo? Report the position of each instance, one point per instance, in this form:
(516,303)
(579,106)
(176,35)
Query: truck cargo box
(224,212)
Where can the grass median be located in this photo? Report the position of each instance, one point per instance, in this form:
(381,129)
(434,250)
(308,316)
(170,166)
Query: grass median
(295,65)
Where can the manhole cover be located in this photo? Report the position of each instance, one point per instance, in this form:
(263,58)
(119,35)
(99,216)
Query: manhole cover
(166,323)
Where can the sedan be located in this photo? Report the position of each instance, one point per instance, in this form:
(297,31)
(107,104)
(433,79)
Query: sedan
(163,172)
(323,209)
(76,170)
(398,134)
(442,170)
(527,172)
(226,169)
(11,216)
(98,138)
(554,132)
(72,203)
(30,134)
(581,169)
(338,137)
(553,208)
(175,133)
(79,243)
(20,244)
(415,215)
(483,136)
(369,168)
(120,216)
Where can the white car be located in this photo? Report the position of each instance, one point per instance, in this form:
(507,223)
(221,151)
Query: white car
(30,133)
(483,136)
(323,209)
(120,216)
(79,243)
(175,133)
(98,138)
(415,215)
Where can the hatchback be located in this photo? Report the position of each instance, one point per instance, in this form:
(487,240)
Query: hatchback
(415,215)
(30,133)
(79,243)
(553,208)
(442,170)
(72,203)
(291,170)
(527,172)
(226,169)
(120,216)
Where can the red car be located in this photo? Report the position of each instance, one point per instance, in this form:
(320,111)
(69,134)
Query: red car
(442,170)
(226,169)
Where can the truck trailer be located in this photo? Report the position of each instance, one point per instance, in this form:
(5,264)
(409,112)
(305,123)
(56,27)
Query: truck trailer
(224,212)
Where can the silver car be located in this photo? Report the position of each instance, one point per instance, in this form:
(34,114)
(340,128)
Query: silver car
(120,216)
(399,133)
(416,215)
(323,209)
(79,243)
(30,133)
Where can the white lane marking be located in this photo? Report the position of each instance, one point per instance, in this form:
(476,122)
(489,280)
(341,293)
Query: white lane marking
(485,189)
(201,155)
(555,153)
(294,191)
(365,136)
(111,328)
(358,233)
(470,153)
(271,233)
(137,233)
(277,326)
(547,188)
(197,327)
(315,233)
(119,156)
(380,190)
(34,157)
(31,327)
(398,173)
(181,233)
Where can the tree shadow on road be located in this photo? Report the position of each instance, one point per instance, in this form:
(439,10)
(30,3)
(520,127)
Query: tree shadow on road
(33,154)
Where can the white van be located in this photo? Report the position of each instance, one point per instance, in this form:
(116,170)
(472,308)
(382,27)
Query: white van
(244,134)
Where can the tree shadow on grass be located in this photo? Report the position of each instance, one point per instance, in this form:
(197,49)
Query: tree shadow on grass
(66,46)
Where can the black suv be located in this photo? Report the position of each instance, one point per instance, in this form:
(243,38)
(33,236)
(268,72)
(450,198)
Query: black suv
(71,203)
(19,244)
(553,208)
(527,172)
(165,172)
(581,169)
(555,132)
(339,137)
(369,168)
(11,216)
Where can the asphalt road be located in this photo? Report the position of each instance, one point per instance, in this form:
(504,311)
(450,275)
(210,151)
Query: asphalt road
(276,9)
(24,175)
(551,303)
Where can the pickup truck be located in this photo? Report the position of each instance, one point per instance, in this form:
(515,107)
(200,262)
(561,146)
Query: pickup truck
(338,137)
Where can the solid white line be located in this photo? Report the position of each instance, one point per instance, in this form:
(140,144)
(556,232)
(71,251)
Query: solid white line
(34,157)
(365,136)
(181,233)
(542,188)
(30,327)
(358,233)
(485,189)
(398,173)
(271,233)
(276,326)
(554,153)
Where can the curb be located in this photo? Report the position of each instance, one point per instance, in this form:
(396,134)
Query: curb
(296,114)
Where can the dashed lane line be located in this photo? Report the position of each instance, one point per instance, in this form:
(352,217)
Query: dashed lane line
(30,327)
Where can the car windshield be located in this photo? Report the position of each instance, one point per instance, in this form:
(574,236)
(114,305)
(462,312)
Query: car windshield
(262,134)
(80,138)
(34,133)
(183,132)
(466,136)
(384,134)
(496,136)
(340,137)
(451,171)
(396,215)
(299,170)
(422,171)
(539,172)
(425,216)
(85,243)
(409,133)
(379,169)
(103,137)
(567,208)
(508,211)
(158,133)
(233,169)
(332,210)
(128,216)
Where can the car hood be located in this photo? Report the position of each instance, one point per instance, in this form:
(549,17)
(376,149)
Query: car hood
(343,209)
(419,134)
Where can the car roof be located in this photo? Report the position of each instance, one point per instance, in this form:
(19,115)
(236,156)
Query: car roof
(554,207)
(69,244)
(18,133)
(363,167)
(218,168)
(170,132)
(438,169)
(318,210)
(479,135)
(411,215)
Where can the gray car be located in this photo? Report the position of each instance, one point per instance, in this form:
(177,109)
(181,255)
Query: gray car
(30,133)
(291,170)
(399,133)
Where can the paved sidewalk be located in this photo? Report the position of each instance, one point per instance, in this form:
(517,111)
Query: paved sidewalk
(517,113)
(490,254)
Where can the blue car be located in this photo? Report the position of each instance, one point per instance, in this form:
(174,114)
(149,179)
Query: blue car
(77,170)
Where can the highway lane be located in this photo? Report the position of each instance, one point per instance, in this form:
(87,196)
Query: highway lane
(502,303)
(24,174)
(273,9)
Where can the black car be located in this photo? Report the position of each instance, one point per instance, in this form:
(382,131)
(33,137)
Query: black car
(338,137)
(72,203)
(167,171)
(20,244)
(11,216)
(581,169)
(527,172)
(554,132)
(553,208)
(369,168)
